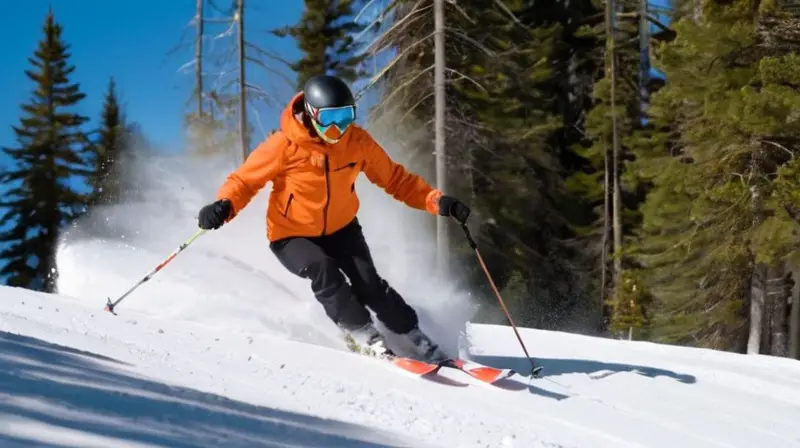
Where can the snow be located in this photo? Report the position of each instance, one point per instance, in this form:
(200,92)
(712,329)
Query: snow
(224,348)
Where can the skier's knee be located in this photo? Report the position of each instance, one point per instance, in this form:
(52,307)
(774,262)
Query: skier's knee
(334,293)
(324,274)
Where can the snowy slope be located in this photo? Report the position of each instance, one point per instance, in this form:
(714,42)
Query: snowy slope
(72,375)
(224,348)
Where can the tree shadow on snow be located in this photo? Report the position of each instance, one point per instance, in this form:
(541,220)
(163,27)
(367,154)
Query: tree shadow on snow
(48,391)
(594,369)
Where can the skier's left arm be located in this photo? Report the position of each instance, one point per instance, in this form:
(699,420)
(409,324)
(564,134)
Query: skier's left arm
(403,185)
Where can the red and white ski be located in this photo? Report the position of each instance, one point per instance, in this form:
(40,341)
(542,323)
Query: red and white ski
(416,367)
(478,371)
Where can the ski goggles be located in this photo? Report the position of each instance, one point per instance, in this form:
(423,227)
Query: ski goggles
(341,117)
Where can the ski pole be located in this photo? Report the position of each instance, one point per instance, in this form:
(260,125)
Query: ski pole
(534,369)
(110,305)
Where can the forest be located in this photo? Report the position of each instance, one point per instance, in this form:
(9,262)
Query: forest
(631,167)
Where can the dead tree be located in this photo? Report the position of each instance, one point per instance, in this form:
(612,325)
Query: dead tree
(198,56)
(202,124)
(412,79)
(243,137)
(222,59)
(442,243)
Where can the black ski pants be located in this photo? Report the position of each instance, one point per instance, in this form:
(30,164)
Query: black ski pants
(325,260)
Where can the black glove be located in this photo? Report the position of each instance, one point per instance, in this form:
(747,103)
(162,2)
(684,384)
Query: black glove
(213,215)
(450,206)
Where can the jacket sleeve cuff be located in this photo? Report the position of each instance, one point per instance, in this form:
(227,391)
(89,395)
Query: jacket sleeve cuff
(432,201)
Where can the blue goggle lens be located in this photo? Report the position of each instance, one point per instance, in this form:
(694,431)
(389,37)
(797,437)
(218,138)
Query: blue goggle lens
(342,117)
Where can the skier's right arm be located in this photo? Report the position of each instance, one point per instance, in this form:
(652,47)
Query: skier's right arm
(262,165)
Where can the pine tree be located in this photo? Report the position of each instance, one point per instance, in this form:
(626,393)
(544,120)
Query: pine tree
(326,36)
(511,99)
(113,140)
(50,154)
(615,126)
(717,228)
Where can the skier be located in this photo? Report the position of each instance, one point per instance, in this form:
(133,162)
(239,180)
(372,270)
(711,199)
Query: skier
(313,161)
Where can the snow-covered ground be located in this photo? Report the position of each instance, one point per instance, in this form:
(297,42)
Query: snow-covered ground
(73,375)
(224,349)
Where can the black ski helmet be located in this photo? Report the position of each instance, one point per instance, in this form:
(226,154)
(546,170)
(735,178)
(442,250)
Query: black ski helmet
(326,91)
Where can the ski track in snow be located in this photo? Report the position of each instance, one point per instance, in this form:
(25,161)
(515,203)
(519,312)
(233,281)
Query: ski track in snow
(224,348)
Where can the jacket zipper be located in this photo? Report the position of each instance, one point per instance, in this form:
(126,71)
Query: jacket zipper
(327,197)
(288,204)
(349,165)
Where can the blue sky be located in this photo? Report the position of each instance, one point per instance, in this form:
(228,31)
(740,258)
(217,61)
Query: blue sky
(131,41)
(142,45)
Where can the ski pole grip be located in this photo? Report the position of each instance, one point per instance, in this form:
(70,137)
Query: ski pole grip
(471,241)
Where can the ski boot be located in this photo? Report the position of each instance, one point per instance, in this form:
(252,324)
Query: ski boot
(426,349)
(371,342)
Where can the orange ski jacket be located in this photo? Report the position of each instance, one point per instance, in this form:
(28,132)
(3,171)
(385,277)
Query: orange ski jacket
(313,191)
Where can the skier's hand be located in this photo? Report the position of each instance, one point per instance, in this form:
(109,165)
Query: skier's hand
(213,215)
(450,206)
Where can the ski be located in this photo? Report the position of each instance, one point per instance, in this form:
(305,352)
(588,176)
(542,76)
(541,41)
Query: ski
(415,366)
(486,374)
(480,372)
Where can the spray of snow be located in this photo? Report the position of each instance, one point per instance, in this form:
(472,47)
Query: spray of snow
(113,247)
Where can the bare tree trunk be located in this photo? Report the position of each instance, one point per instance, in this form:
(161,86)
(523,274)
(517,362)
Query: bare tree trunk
(606,228)
(794,326)
(779,294)
(242,83)
(757,300)
(616,200)
(644,50)
(697,11)
(766,321)
(442,246)
(198,58)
